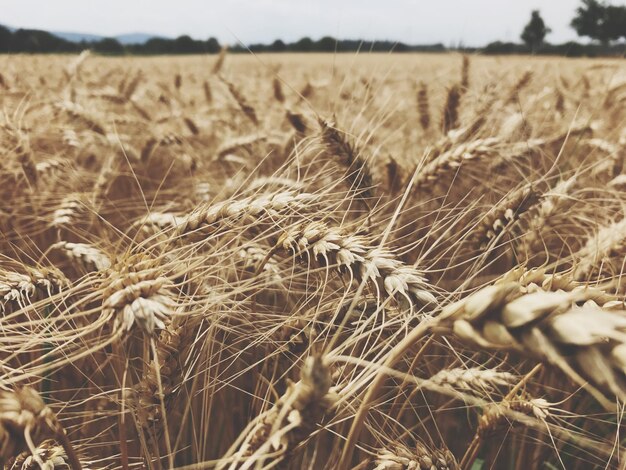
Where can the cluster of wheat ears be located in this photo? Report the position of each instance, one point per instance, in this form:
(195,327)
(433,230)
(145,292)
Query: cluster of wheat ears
(312,262)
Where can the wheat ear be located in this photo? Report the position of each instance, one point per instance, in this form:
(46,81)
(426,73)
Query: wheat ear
(332,247)
(23,416)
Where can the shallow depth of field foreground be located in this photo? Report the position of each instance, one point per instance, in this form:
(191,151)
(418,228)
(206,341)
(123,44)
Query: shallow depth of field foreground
(312,262)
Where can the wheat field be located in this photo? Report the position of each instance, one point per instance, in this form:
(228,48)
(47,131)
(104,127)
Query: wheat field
(370,261)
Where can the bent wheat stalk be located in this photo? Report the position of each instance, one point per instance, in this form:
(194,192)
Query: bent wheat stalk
(24,415)
(207,218)
(332,247)
(296,414)
(397,456)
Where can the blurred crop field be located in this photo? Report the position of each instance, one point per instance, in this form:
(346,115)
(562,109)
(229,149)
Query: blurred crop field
(312,261)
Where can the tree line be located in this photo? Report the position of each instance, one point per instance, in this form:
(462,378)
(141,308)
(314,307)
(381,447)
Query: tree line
(595,19)
(36,41)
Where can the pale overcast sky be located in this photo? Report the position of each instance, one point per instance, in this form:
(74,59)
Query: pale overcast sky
(474,22)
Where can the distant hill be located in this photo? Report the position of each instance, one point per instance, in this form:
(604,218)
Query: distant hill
(124,39)
(77,37)
(130,38)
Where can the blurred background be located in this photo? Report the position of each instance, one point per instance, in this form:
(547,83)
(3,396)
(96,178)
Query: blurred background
(570,27)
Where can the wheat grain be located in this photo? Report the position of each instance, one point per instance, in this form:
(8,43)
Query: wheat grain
(207,219)
(142,298)
(546,325)
(89,257)
(450,118)
(294,416)
(608,242)
(331,247)
(400,457)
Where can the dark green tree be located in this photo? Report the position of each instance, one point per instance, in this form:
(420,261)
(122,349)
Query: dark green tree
(157,46)
(278,46)
(213,46)
(303,45)
(599,21)
(108,46)
(616,22)
(5,39)
(326,44)
(186,45)
(535,31)
(34,41)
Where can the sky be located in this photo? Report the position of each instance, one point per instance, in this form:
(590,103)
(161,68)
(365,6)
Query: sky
(470,22)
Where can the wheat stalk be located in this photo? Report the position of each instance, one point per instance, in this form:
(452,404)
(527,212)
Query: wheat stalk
(88,257)
(291,420)
(243,142)
(141,298)
(332,247)
(78,113)
(207,219)
(241,100)
(547,325)
(465,73)
(472,379)
(21,289)
(278,90)
(23,416)
(522,83)
(423,107)
(452,160)
(359,172)
(48,455)
(503,216)
(607,243)
(397,456)
(450,119)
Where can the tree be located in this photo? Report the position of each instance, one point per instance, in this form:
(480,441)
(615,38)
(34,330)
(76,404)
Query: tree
(157,46)
(213,46)
(278,46)
(5,39)
(108,46)
(535,31)
(34,41)
(186,45)
(616,22)
(303,45)
(326,44)
(600,21)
